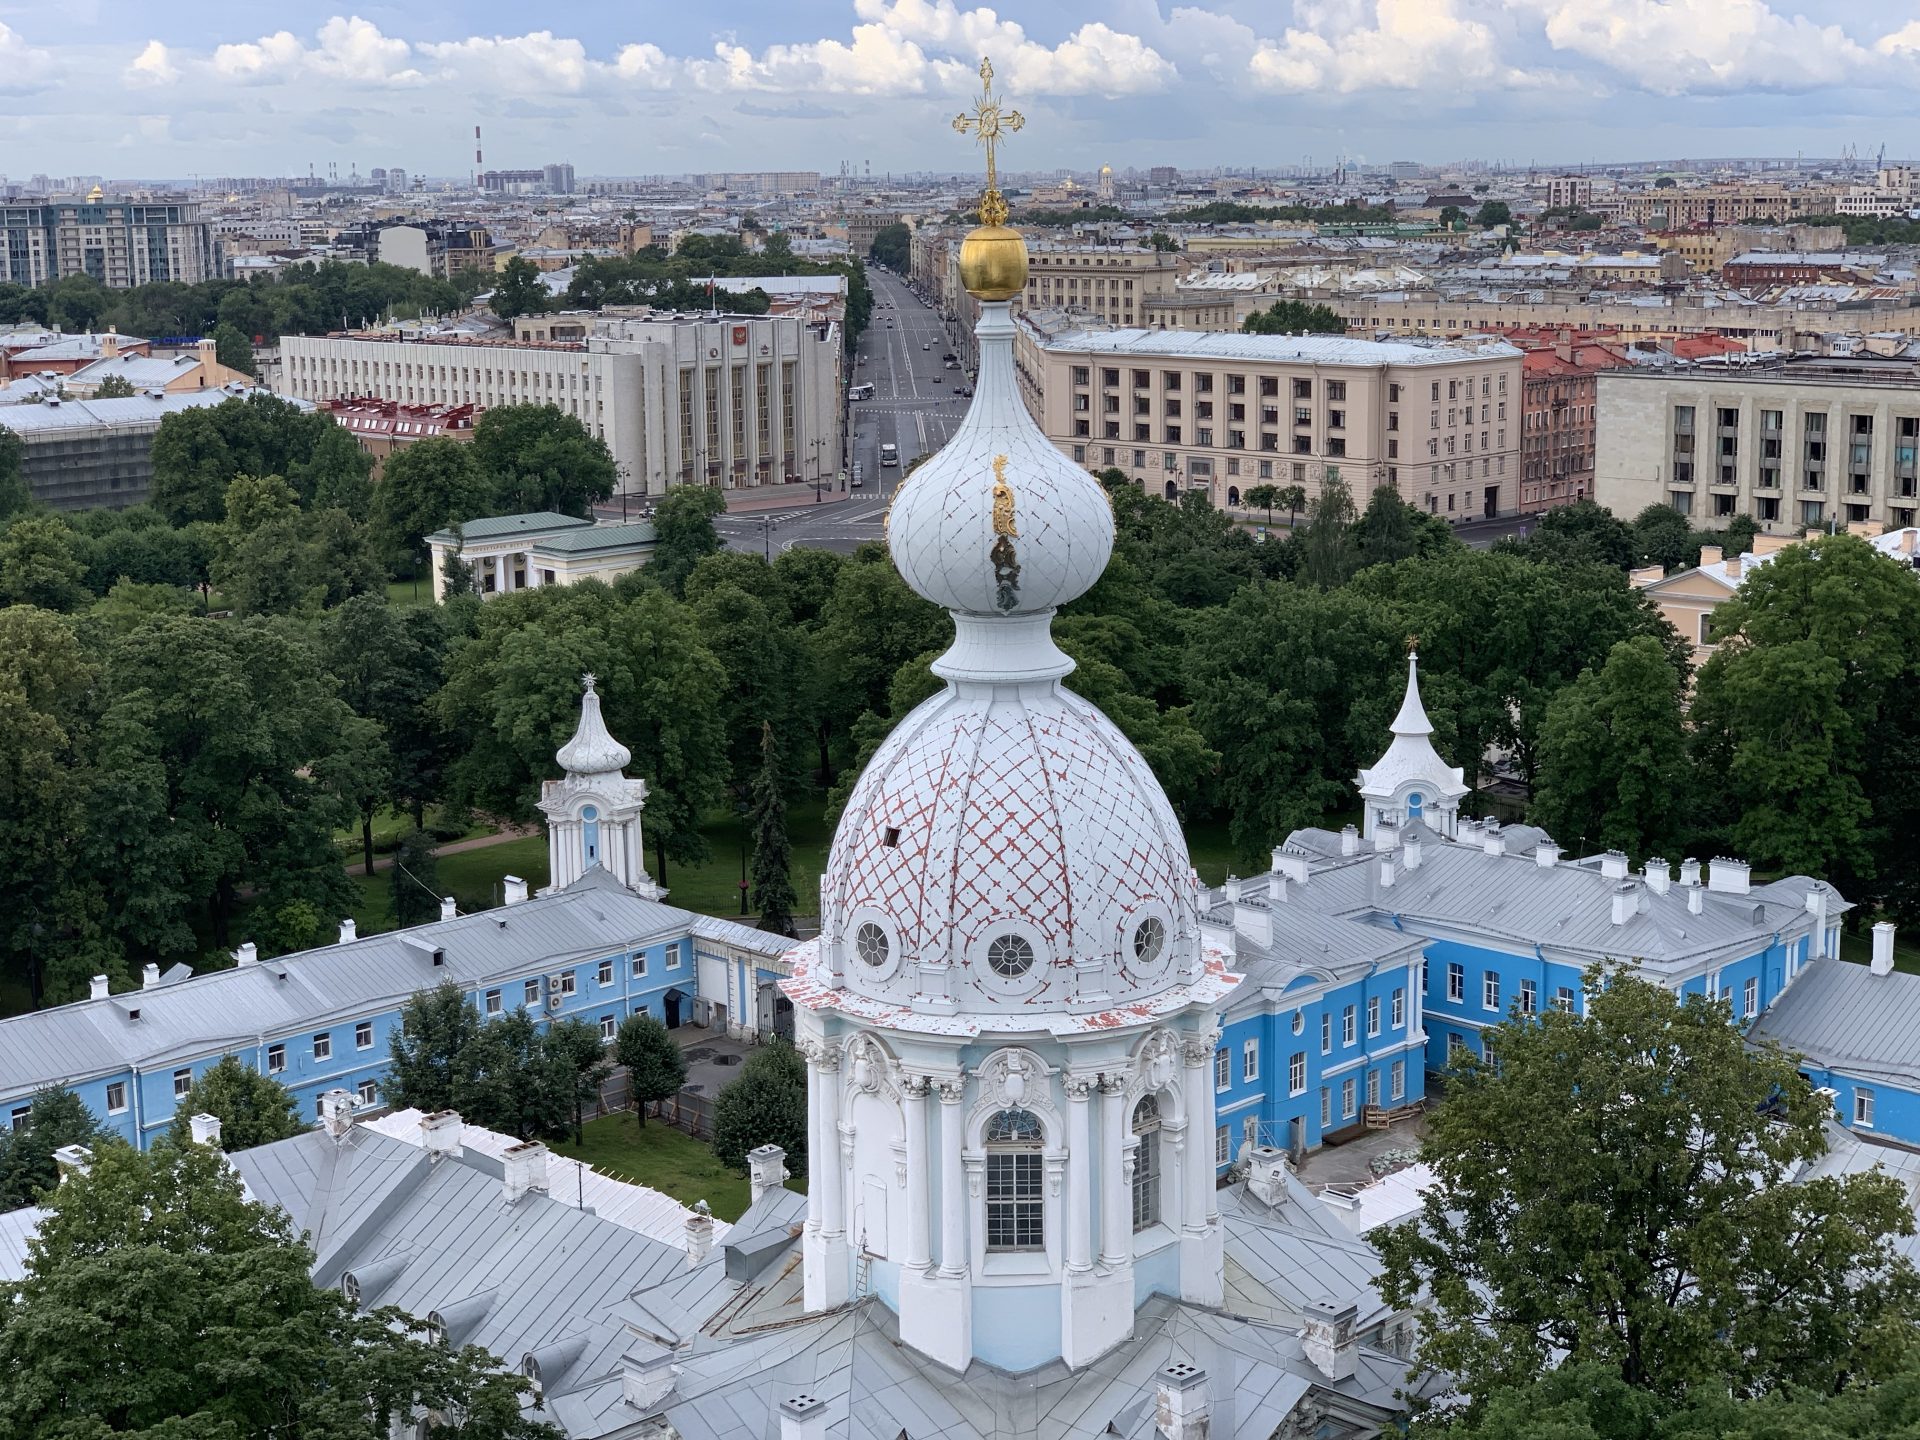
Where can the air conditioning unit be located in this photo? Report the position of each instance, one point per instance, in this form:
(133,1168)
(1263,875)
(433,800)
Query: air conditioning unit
(553,1000)
(554,994)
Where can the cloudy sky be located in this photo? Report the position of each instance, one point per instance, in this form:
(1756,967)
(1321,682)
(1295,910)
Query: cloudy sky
(205,86)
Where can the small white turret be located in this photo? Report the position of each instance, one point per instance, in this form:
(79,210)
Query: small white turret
(593,812)
(1411,782)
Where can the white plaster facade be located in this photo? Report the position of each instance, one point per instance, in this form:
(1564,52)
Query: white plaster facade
(593,810)
(1411,782)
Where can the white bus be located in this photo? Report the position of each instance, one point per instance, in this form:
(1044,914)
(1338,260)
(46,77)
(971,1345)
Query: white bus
(860,392)
(890,455)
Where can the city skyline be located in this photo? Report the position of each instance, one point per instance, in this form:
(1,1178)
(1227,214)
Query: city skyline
(199,90)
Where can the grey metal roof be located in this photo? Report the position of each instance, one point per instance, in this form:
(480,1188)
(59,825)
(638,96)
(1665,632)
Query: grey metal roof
(1312,349)
(597,537)
(231,1009)
(491,527)
(1306,944)
(134,411)
(1842,1016)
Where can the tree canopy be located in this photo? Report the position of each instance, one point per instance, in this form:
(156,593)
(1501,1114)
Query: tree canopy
(765,1104)
(1295,317)
(253,1109)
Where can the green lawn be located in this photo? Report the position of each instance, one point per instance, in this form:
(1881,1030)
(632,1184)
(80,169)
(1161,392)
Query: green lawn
(390,824)
(667,1160)
(410,592)
(472,877)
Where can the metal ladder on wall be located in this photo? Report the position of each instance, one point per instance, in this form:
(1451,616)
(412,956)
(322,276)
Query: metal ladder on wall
(863,1271)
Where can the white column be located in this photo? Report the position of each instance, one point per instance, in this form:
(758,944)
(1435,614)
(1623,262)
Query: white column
(919,1192)
(1079,1172)
(953,1190)
(833,1179)
(1199,1198)
(499,573)
(533,575)
(1116,1228)
(816,1135)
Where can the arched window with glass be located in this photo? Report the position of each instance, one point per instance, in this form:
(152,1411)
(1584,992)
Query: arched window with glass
(1016,1204)
(1146,1163)
(590,833)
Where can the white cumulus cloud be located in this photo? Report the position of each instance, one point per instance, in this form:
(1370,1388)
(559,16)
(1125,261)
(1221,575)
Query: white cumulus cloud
(1387,45)
(538,62)
(346,49)
(1681,47)
(153,66)
(1094,60)
(22,67)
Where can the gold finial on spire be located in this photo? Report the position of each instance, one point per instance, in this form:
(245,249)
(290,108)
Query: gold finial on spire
(989,123)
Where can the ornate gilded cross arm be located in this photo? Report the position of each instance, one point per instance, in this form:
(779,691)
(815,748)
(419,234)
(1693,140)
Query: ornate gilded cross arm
(990,124)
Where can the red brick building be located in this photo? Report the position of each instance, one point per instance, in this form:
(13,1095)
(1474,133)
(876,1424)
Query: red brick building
(384,426)
(1557,399)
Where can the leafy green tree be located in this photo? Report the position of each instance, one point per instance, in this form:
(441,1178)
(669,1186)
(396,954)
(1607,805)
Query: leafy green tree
(656,1067)
(233,350)
(1327,551)
(15,495)
(871,626)
(197,453)
(253,1109)
(426,487)
(1654,1227)
(773,893)
(1163,242)
(1615,771)
(1390,530)
(1262,497)
(389,663)
(114,387)
(892,247)
(765,660)
(339,557)
(414,880)
(334,472)
(684,533)
(1452,216)
(574,1049)
(442,1057)
(1492,213)
(765,1104)
(259,568)
(1294,497)
(519,290)
(41,564)
(1578,534)
(56,1118)
(145,1273)
(538,457)
(1662,536)
(1294,317)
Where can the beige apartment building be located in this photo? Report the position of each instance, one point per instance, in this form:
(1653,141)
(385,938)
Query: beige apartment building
(1110,283)
(727,400)
(1717,204)
(1221,413)
(1643,317)
(1798,442)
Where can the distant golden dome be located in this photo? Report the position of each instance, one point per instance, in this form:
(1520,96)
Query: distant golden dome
(993,263)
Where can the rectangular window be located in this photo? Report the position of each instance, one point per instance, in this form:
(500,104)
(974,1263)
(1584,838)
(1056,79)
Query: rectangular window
(323,1047)
(1529,997)
(1456,1049)
(1399,1090)
(1326,1107)
(1490,991)
(1347,1021)
(116,1097)
(1222,1146)
(493,1002)
(18,1119)
(182,1083)
(1326,1034)
(1456,982)
(1399,1007)
(608,1025)
(639,967)
(1750,997)
(605,975)
(1862,1106)
(1250,1060)
(1349,1094)
(673,957)
(1563,999)
(1373,1015)
(1015,1207)
(1373,1088)
(1222,1069)
(276,1059)
(363,1035)
(367,1093)
(533,992)
(1297,1073)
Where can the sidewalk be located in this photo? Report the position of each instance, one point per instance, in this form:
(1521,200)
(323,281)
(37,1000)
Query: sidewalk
(783,497)
(453,847)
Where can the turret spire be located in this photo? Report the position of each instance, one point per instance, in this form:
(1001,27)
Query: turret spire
(1412,719)
(592,750)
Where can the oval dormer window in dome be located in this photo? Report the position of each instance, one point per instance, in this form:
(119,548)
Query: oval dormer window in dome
(1416,802)
(870,944)
(1149,940)
(1010,956)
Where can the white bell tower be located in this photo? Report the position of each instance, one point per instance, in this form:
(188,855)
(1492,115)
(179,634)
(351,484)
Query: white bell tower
(1411,782)
(593,811)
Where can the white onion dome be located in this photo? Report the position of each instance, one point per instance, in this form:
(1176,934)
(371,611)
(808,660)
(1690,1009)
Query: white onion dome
(592,750)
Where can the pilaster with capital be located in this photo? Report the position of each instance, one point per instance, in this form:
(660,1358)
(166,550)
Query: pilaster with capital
(1116,1227)
(1197,1174)
(826,1138)
(953,1193)
(1079,1171)
(919,1180)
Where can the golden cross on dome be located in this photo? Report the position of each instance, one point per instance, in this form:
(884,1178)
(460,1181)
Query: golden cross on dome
(990,125)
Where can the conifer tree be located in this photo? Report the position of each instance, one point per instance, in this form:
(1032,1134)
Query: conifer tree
(772,854)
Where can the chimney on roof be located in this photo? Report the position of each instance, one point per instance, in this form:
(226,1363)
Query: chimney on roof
(699,1233)
(204,352)
(1818,895)
(1327,1337)
(206,1129)
(1729,877)
(1546,854)
(336,1113)
(1386,870)
(1231,889)
(1413,848)
(247,954)
(766,1170)
(1882,963)
(1613,865)
(803,1417)
(1710,555)
(72,1161)
(448,910)
(1386,835)
(1625,902)
(149,976)
(1696,899)
(109,346)
(1253,920)
(349,931)
(440,1134)
(523,1168)
(1291,865)
(645,1386)
(1491,840)
(99,987)
(1689,871)
(1349,841)
(1180,1402)
(1659,875)
(516,889)
(1266,1174)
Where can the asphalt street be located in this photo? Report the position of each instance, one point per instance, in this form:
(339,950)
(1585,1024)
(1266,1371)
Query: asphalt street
(913,406)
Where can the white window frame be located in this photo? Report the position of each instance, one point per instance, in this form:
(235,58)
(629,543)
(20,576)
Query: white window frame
(1563,999)
(569,983)
(532,992)
(1750,998)
(1456,982)
(1349,1022)
(182,1083)
(1349,1098)
(1297,1073)
(1250,1060)
(605,972)
(367,1092)
(365,1027)
(323,1045)
(1373,1015)
(276,1059)
(1490,990)
(1222,1146)
(116,1107)
(1399,1010)
(1373,1088)
(609,1026)
(1326,1106)
(1863,1107)
(1456,1046)
(1529,997)
(673,957)
(1399,1086)
(640,967)
(1326,1033)
(491,1003)
(1222,1069)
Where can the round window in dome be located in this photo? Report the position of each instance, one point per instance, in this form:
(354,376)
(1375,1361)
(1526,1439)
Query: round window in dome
(870,944)
(1149,939)
(1010,956)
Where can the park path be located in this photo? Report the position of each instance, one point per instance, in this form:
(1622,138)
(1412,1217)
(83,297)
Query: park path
(452,847)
